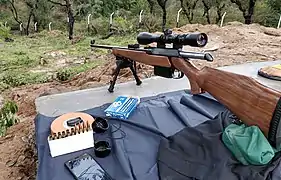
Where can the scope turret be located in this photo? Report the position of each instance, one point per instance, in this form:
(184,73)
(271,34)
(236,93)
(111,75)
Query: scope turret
(192,39)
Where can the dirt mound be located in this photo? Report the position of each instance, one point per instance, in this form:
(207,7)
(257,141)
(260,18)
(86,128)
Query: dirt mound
(235,43)
(238,43)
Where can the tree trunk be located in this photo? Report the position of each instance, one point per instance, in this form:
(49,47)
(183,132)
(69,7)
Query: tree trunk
(14,12)
(71,19)
(219,12)
(162,4)
(191,17)
(31,14)
(164,19)
(249,16)
(151,6)
(71,24)
(190,12)
(187,14)
(219,17)
(184,10)
(206,11)
(248,19)
(208,17)
(28,22)
(70,15)
(35,19)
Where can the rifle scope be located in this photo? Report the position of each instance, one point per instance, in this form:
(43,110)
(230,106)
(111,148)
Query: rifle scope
(193,39)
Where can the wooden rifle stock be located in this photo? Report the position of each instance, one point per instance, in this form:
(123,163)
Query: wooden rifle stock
(250,101)
(143,57)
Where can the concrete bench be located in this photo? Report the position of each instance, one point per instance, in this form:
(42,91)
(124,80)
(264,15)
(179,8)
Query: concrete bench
(54,105)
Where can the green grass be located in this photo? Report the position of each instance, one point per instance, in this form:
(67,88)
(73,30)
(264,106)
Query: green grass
(64,74)
(20,60)
(15,78)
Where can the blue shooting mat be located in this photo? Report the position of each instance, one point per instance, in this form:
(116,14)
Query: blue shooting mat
(134,157)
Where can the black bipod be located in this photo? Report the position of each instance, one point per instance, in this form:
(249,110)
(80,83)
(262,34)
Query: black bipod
(122,63)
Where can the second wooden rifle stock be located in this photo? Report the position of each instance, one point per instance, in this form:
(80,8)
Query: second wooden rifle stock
(252,102)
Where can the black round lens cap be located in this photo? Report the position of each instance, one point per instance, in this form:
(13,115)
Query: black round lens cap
(102,149)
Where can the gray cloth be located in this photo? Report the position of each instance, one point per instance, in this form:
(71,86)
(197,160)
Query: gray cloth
(135,156)
(198,153)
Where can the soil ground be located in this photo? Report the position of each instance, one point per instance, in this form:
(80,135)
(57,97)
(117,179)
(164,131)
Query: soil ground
(235,43)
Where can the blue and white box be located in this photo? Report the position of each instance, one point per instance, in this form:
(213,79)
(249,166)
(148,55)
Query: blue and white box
(122,107)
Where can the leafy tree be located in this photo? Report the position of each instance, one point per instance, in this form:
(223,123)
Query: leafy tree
(106,7)
(35,10)
(32,6)
(163,5)
(4,31)
(151,6)
(207,6)
(67,4)
(220,5)
(247,7)
(42,13)
(188,7)
(275,5)
(12,6)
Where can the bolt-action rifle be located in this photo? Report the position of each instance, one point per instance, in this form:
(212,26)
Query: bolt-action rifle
(252,102)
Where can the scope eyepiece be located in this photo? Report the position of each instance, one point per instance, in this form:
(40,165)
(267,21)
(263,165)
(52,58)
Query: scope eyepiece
(192,39)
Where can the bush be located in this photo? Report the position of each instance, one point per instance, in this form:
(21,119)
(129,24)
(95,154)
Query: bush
(14,79)
(64,74)
(99,26)
(4,31)
(152,23)
(9,107)
(8,116)
(3,86)
(265,16)
(124,26)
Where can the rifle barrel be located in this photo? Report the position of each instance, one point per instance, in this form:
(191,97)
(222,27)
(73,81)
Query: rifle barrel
(108,47)
(195,55)
(164,52)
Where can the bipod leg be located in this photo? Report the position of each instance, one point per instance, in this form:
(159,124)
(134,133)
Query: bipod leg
(116,73)
(135,75)
(135,66)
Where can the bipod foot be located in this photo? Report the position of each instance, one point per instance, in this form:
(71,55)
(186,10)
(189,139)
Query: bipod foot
(139,83)
(111,87)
